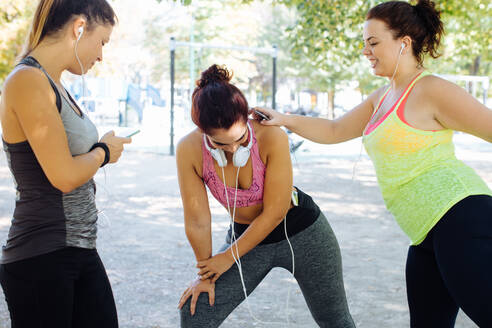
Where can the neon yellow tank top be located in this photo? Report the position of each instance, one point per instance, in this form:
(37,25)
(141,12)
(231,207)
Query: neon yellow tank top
(417,170)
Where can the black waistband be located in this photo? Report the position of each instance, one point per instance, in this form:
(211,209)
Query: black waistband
(298,218)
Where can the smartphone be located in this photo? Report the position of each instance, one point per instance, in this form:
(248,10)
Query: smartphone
(133,133)
(263,116)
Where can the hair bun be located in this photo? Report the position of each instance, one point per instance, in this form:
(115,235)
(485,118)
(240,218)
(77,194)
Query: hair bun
(214,74)
(430,17)
(425,5)
(427,9)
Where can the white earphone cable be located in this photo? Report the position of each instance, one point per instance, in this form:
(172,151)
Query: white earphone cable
(397,63)
(81,68)
(293,270)
(236,256)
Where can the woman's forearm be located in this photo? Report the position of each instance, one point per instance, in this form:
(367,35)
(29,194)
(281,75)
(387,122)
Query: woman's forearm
(87,165)
(80,170)
(200,238)
(256,232)
(316,129)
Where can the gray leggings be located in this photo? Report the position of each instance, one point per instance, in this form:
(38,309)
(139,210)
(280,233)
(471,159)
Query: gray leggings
(318,270)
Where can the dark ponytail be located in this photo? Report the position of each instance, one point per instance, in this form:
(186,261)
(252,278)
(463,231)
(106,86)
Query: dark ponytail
(431,19)
(216,103)
(421,22)
(52,15)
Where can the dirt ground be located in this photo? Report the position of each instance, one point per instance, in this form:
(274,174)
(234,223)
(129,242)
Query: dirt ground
(149,261)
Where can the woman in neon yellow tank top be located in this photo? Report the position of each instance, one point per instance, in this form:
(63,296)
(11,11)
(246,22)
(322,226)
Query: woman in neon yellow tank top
(439,202)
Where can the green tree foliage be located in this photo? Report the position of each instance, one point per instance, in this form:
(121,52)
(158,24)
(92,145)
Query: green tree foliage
(14,24)
(468,39)
(257,24)
(328,32)
(228,23)
(319,41)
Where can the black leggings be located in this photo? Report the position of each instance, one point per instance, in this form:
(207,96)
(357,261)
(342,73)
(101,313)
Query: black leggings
(67,288)
(318,270)
(452,268)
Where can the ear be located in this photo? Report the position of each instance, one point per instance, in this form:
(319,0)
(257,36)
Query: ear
(406,42)
(79,26)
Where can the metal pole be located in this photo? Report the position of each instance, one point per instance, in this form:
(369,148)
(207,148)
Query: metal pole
(172,46)
(274,77)
(200,45)
(192,55)
(485,86)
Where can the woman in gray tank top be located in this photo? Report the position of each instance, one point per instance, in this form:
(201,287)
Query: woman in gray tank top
(50,271)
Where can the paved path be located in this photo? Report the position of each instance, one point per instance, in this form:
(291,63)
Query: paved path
(149,262)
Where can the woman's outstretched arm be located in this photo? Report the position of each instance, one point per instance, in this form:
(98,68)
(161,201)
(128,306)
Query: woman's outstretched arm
(456,109)
(325,131)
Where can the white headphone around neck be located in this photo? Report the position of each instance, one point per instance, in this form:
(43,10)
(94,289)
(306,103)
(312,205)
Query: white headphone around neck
(81,31)
(240,156)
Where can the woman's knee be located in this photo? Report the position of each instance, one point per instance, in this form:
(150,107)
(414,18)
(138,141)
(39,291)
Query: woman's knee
(341,319)
(205,316)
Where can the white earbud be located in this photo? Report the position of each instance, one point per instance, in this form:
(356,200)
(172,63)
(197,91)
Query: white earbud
(81,31)
(402,47)
(240,156)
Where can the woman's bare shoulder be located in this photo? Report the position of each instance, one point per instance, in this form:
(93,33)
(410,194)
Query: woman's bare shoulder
(189,146)
(25,80)
(266,133)
(269,138)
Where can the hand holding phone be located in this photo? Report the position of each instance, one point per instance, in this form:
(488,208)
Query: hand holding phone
(261,115)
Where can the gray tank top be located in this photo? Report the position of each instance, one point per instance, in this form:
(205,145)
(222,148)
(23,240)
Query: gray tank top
(45,219)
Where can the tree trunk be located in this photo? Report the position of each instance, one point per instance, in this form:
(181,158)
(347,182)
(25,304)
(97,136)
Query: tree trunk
(476,66)
(331,104)
(474,71)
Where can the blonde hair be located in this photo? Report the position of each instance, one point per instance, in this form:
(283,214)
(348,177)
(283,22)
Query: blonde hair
(35,34)
(52,15)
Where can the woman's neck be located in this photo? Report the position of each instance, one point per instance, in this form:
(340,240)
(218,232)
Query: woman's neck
(50,56)
(405,74)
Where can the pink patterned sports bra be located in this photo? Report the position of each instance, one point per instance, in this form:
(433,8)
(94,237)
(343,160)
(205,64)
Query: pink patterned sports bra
(245,197)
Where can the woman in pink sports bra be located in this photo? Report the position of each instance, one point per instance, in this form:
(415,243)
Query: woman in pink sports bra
(442,205)
(247,168)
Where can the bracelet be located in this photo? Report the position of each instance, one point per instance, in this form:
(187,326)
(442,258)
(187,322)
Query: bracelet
(106,151)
